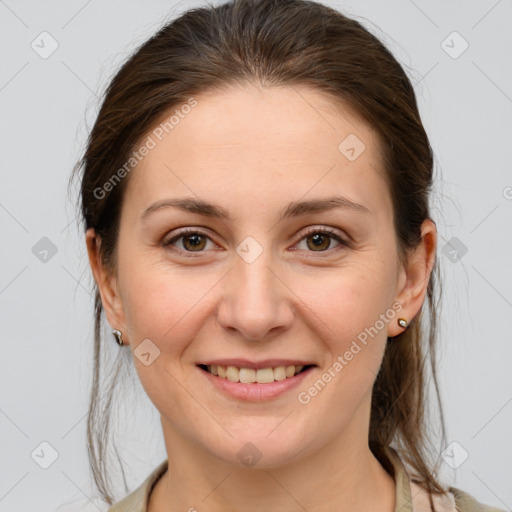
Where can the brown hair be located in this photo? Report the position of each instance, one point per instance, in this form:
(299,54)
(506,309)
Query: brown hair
(276,43)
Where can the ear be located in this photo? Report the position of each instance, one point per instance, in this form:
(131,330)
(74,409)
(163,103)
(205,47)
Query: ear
(107,284)
(414,277)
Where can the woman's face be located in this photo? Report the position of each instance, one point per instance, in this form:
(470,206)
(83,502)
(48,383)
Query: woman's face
(261,282)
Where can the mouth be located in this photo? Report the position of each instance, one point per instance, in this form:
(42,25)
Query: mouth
(254,385)
(252,375)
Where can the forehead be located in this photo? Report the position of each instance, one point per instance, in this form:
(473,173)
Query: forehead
(247,141)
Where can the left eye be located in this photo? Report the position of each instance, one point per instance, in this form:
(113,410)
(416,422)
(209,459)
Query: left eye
(321,239)
(317,239)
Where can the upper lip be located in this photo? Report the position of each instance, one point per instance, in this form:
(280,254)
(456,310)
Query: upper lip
(256,365)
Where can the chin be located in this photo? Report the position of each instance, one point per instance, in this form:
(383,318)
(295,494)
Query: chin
(260,451)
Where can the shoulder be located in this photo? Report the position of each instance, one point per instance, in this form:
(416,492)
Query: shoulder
(455,500)
(82,505)
(411,496)
(137,501)
(465,502)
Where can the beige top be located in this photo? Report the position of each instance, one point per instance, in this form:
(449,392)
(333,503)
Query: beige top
(410,497)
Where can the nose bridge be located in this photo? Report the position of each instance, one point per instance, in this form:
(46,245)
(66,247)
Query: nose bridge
(255,300)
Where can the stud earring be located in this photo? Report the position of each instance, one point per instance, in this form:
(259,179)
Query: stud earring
(402,322)
(118,337)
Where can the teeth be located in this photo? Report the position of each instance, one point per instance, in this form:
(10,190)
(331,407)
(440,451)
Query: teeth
(232,374)
(290,371)
(248,375)
(280,372)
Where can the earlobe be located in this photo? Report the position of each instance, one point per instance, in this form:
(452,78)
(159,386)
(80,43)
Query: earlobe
(106,282)
(415,277)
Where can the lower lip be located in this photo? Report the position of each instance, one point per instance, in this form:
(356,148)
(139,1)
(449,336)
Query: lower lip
(254,391)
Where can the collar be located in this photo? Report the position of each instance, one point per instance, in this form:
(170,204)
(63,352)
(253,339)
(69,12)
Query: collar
(410,497)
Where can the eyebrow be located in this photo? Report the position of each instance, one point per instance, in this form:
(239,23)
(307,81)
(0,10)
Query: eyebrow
(294,209)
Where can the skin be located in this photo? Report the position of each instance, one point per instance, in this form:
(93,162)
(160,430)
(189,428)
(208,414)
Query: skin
(253,150)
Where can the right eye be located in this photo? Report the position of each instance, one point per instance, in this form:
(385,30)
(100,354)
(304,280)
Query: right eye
(193,240)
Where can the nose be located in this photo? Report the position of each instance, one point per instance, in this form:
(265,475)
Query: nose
(256,302)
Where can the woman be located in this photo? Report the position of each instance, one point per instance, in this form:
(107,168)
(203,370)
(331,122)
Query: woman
(255,195)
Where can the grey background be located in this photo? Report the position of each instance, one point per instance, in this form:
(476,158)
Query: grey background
(47,106)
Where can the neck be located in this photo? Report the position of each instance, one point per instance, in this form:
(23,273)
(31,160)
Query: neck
(340,476)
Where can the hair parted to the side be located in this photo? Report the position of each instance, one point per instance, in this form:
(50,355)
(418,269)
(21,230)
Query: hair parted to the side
(276,43)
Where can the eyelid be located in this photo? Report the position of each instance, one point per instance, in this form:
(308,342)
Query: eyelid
(344,239)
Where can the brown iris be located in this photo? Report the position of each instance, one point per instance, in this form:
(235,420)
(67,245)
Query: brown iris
(320,241)
(197,242)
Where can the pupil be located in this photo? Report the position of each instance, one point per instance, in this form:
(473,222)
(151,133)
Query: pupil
(195,239)
(319,240)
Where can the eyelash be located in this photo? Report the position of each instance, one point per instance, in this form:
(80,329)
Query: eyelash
(309,232)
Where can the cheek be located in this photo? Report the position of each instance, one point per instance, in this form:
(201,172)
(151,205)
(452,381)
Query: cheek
(347,302)
(345,310)
(164,304)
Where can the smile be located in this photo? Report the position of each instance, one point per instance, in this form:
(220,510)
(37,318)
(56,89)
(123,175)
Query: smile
(261,384)
(250,375)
